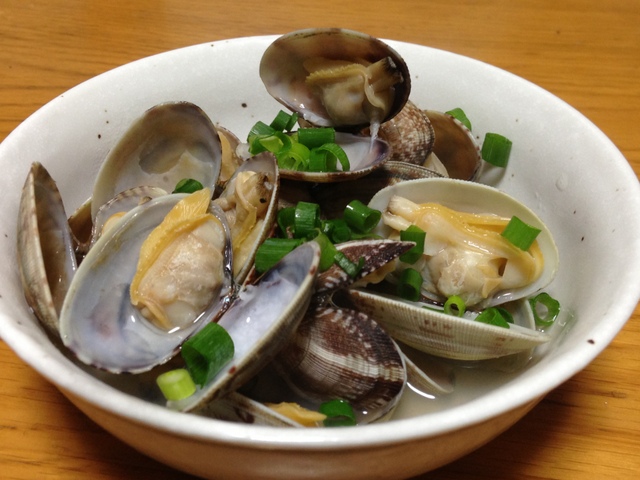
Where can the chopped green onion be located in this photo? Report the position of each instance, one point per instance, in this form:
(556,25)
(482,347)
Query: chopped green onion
(207,352)
(176,384)
(410,284)
(459,115)
(293,157)
(307,219)
(360,217)
(496,149)
(259,129)
(286,220)
(320,161)
(316,136)
(544,302)
(272,250)
(520,234)
(495,316)
(293,119)
(339,413)
(413,234)
(327,251)
(339,231)
(281,121)
(332,152)
(187,185)
(455,306)
(352,269)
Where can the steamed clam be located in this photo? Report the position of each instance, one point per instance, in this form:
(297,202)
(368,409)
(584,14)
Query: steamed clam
(336,77)
(462,258)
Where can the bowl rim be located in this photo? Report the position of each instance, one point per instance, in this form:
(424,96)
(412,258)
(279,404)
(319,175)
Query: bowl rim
(56,368)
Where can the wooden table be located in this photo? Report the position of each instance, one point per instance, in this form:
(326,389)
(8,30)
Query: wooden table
(586,52)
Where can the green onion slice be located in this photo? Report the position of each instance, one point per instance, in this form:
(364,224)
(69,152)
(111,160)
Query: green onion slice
(332,152)
(495,316)
(459,115)
(352,269)
(306,219)
(455,306)
(176,384)
(207,352)
(187,185)
(544,303)
(520,234)
(316,136)
(272,250)
(338,230)
(360,217)
(281,121)
(496,149)
(413,234)
(410,284)
(286,220)
(327,251)
(339,413)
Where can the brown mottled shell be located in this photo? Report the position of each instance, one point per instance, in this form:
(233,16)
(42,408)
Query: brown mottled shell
(376,253)
(342,353)
(455,146)
(410,135)
(45,247)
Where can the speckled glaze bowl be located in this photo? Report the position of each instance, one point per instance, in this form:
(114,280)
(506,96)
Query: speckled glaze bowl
(561,165)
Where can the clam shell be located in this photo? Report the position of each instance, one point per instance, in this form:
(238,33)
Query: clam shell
(169,142)
(98,322)
(245,248)
(343,353)
(45,247)
(283,74)
(454,146)
(260,322)
(448,336)
(477,198)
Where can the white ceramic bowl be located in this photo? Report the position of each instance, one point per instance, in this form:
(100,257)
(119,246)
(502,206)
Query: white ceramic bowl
(561,165)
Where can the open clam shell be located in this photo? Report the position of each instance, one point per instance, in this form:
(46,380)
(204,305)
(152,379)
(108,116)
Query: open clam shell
(454,146)
(283,72)
(260,322)
(168,143)
(45,246)
(473,197)
(249,200)
(449,336)
(98,321)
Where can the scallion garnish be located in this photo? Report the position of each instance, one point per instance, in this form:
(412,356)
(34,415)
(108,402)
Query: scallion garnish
(327,251)
(455,306)
(495,316)
(352,269)
(410,284)
(413,234)
(545,309)
(207,352)
(459,115)
(339,413)
(281,121)
(496,149)
(272,250)
(187,185)
(286,220)
(316,136)
(176,384)
(338,230)
(306,219)
(332,153)
(360,217)
(520,234)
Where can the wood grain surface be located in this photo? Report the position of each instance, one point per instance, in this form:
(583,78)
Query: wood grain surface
(587,52)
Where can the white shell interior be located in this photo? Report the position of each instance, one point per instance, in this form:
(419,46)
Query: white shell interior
(561,166)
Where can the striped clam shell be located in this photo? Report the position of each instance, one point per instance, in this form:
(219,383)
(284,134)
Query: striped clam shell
(342,353)
(45,247)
